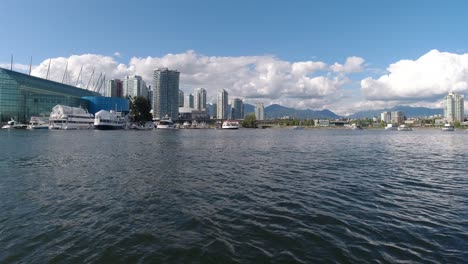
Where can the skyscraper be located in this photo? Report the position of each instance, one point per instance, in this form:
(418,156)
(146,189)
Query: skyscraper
(166,93)
(113,88)
(200,99)
(454,109)
(222,104)
(259,111)
(189,101)
(181,98)
(386,117)
(237,109)
(134,86)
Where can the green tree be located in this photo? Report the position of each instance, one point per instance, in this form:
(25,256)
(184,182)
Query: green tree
(457,124)
(250,121)
(140,109)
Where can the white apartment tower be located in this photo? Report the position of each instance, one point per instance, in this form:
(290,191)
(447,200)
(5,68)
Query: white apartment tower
(222,104)
(134,86)
(259,111)
(166,93)
(454,109)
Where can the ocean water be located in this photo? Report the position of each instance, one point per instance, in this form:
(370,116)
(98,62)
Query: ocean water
(246,196)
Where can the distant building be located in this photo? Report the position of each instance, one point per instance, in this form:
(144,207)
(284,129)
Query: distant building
(237,109)
(386,117)
(214,110)
(113,88)
(398,117)
(181,98)
(134,86)
(222,104)
(189,101)
(200,99)
(454,107)
(166,93)
(259,111)
(150,96)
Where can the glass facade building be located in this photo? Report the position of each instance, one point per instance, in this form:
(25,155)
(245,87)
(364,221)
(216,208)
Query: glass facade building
(98,103)
(23,96)
(166,94)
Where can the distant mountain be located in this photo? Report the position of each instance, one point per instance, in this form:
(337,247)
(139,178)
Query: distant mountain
(278,111)
(408,110)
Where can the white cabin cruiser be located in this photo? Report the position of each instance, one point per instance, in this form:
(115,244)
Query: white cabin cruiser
(166,123)
(404,128)
(448,127)
(109,120)
(37,123)
(230,124)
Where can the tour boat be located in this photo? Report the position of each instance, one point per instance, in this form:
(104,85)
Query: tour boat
(230,124)
(448,127)
(404,128)
(66,118)
(109,120)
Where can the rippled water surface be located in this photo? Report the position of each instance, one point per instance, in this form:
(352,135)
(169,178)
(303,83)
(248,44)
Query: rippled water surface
(212,196)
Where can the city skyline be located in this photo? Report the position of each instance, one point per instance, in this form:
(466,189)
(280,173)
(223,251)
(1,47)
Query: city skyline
(371,56)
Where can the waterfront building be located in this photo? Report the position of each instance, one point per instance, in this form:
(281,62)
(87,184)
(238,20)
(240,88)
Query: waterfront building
(23,96)
(134,86)
(454,107)
(98,103)
(166,93)
(259,111)
(181,98)
(200,99)
(237,109)
(150,96)
(386,117)
(222,104)
(189,101)
(113,88)
(214,110)
(398,117)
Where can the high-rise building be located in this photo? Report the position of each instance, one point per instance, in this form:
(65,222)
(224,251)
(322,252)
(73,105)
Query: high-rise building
(134,86)
(259,111)
(222,104)
(181,98)
(189,101)
(454,107)
(113,88)
(200,99)
(166,93)
(398,117)
(214,110)
(386,117)
(237,109)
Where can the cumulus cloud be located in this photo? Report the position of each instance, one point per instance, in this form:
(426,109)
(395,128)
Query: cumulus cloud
(428,78)
(296,84)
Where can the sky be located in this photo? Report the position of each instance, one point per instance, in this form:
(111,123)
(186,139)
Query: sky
(345,56)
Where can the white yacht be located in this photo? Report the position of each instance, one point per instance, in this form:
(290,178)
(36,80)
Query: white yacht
(66,117)
(37,123)
(404,128)
(109,120)
(9,125)
(355,126)
(390,127)
(230,124)
(448,127)
(166,123)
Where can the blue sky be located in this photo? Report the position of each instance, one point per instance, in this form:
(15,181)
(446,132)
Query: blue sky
(380,32)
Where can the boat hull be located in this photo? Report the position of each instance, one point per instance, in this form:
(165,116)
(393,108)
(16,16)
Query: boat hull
(108,127)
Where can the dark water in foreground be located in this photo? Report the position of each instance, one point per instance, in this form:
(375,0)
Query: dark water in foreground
(210,196)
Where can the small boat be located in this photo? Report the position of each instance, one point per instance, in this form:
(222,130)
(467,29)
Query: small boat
(297,127)
(9,125)
(448,127)
(146,126)
(390,127)
(37,123)
(186,124)
(109,120)
(404,128)
(166,123)
(230,124)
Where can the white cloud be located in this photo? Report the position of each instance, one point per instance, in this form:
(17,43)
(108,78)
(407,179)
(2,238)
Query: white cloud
(428,78)
(117,54)
(295,84)
(352,64)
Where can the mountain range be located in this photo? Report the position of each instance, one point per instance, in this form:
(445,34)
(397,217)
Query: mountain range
(277,111)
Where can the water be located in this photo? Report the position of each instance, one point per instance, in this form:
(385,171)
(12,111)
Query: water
(211,196)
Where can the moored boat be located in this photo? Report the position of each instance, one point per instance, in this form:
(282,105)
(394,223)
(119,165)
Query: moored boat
(404,128)
(9,124)
(109,120)
(390,127)
(67,117)
(230,124)
(448,127)
(37,123)
(166,123)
